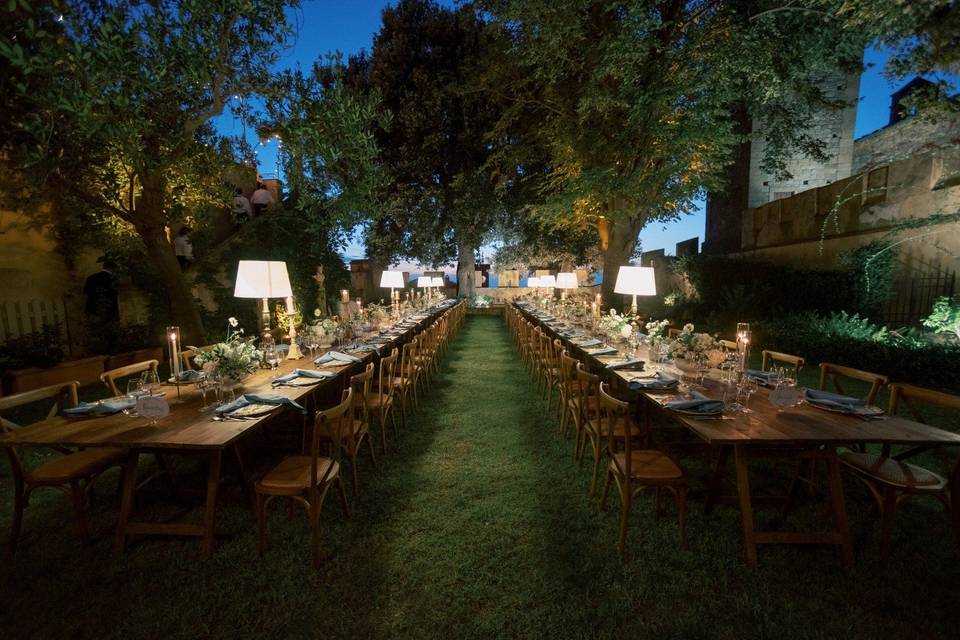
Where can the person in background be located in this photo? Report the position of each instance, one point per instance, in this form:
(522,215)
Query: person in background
(183,247)
(261,199)
(242,210)
(101,291)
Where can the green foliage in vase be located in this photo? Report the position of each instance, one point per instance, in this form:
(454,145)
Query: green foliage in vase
(234,358)
(945,317)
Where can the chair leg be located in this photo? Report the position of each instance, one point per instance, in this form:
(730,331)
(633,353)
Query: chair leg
(261,524)
(606,491)
(315,532)
(680,493)
(886,521)
(356,475)
(373,454)
(19,504)
(624,518)
(596,467)
(344,504)
(80,508)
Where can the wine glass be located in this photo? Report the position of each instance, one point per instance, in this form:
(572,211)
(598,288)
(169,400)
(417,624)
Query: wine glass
(150,382)
(203,385)
(272,358)
(134,390)
(748,387)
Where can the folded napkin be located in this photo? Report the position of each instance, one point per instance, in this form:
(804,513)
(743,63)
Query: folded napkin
(762,377)
(258,398)
(656,381)
(589,343)
(102,408)
(623,364)
(834,400)
(304,373)
(699,404)
(335,356)
(368,348)
(189,375)
(602,352)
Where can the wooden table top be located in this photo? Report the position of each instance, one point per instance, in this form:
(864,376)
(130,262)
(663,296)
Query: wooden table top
(765,426)
(186,427)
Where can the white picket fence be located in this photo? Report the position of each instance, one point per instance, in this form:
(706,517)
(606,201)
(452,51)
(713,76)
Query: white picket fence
(19,317)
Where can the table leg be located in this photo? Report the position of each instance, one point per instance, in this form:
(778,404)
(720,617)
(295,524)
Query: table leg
(209,516)
(715,482)
(839,508)
(746,506)
(126,499)
(244,478)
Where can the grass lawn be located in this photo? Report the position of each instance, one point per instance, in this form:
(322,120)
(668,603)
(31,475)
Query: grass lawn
(478,526)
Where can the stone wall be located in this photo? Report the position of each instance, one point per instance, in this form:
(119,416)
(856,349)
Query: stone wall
(834,127)
(913,137)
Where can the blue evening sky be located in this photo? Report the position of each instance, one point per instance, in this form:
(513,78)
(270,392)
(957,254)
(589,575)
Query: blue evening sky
(349,26)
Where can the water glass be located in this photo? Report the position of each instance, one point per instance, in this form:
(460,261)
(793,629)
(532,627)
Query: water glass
(150,382)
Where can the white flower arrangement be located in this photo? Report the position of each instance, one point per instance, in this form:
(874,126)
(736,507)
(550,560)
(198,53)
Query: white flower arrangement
(692,346)
(657,328)
(481,302)
(376,314)
(233,358)
(616,326)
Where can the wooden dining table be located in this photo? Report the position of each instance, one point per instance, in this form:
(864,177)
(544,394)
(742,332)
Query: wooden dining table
(189,429)
(804,431)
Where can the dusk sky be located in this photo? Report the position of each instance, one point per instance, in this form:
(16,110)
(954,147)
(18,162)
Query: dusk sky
(349,26)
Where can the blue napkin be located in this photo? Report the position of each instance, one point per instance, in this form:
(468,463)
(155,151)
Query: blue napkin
(189,375)
(257,398)
(834,400)
(102,408)
(602,352)
(656,381)
(624,363)
(589,343)
(335,356)
(304,373)
(762,377)
(699,404)
(368,348)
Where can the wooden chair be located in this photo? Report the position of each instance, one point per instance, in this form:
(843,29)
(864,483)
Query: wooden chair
(72,472)
(406,378)
(784,358)
(635,470)
(728,345)
(306,478)
(594,427)
(891,480)
(186,357)
(109,378)
(380,400)
(838,372)
(352,435)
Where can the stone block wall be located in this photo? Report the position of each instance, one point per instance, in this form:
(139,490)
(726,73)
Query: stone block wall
(913,137)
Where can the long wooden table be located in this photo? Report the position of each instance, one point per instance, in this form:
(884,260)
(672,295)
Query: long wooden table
(801,431)
(187,428)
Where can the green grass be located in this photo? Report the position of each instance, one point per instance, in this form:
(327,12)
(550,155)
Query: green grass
(479,525)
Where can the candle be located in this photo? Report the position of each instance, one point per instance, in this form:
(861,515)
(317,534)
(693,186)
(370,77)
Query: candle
(173,337)
(344,296)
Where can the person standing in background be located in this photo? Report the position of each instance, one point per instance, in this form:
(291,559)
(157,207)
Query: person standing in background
(101,291)
(261,199)
(241,209)
(183,247)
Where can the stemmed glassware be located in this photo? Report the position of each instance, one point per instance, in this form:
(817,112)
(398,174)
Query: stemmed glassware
(134,390)
(204,383)
(272,358)
(150,382)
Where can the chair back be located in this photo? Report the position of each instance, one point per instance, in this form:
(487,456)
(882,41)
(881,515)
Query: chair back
(613,418)
(331,423)
(186,357)
(360,385)
(838,372)
(408,358)
(385,376)
(785,358)
(728,345)
(586,389)
(64,396)
(911,396)
(109,378)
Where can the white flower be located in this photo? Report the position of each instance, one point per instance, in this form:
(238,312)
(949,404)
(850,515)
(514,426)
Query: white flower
(316,312)
(233,321)
(626,331)
(613,312)
(688,328)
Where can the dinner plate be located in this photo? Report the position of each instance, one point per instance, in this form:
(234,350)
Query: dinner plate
(251,410)
(303,381)
(868,410)
(698,414)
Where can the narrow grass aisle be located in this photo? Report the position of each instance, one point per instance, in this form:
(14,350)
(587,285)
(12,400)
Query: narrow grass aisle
(477,524)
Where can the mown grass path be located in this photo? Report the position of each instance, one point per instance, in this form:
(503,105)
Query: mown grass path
(478,525)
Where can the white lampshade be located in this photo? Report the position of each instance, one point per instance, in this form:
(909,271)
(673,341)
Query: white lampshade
(391,280)
(533,282)
(424,281)
(636,281)
(437,281)
(262,279)
(548,282)
(566,280)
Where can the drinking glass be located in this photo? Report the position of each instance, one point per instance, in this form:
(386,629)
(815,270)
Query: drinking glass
(134,390)
(150,382)
(748,387)
(272,358)
(204,384)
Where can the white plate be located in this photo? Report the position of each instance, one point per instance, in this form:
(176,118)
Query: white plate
(868,410)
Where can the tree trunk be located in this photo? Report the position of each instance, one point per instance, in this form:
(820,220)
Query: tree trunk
(150,226)
(621,241)
(466,270)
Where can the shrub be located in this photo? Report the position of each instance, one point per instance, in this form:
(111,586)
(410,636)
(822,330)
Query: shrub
(43,348)
(902,355)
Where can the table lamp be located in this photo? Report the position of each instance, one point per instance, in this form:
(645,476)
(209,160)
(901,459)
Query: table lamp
(635,281)
(548,282)
(267,279)
(392,280)
(425,282)
(566,280)
(533,282)
(437,282)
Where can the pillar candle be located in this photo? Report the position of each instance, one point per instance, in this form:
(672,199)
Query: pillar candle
(344,296)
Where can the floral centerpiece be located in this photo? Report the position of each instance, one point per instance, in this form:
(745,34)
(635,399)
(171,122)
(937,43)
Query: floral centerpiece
(616,326)
(657,328)
(377,314)
(321,330)
(481,301)
(692,347)
(234,358)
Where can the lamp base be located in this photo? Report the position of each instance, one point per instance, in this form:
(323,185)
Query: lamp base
(294,353)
